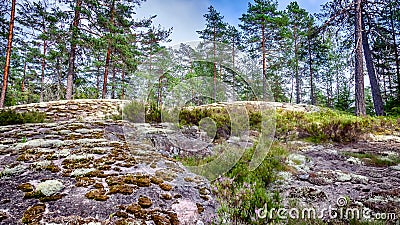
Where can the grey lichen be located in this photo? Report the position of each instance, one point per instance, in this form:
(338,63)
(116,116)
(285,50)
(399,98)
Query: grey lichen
(81,172)
(12,171)
(39,143)
(50,187)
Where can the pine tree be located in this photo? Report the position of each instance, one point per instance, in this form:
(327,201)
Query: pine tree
(259,25)
(8,55)
(214,31)
(298,27)
(73,48)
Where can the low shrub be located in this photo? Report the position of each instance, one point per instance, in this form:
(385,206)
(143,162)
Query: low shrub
(242,192)
(11,117)
(329,125)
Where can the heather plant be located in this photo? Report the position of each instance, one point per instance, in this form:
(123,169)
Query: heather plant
(241,192)
(11,117)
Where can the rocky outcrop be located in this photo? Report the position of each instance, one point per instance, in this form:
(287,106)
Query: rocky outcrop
(94,171)
(362,176)
(83,109)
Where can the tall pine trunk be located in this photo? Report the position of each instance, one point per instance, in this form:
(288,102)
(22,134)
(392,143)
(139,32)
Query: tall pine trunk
(310,62)
(376,92)
(8,56)
(396,52)
(297,78)
(71,59)
(23,79)
(360,109)
(59,76)
(123,84)
(264,72)
(215,65)
(107,66)
(113,82)
(98,77)
(43,71)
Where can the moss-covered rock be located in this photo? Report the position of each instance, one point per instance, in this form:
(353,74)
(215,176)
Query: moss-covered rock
(33,214)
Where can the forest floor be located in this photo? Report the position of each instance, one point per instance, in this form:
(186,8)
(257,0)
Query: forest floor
(93,171)
(361,177)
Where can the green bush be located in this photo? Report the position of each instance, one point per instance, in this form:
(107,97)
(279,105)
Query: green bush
(139,112)
(329,125)
(242,192)
(10,117)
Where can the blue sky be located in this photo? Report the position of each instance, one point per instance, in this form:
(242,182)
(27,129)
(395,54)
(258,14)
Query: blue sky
(186,16)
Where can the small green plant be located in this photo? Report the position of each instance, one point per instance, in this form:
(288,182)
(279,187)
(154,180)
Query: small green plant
(11,117)
(329,125)
(375,160)
(139,112)
(241,192)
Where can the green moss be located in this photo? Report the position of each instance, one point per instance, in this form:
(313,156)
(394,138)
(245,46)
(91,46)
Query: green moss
(33,214)
(34,194)
(53,168)
(51,198)
(139,180)
(121,189)
(84,181)
(156,180)
(165,187)
(136,210)
(97,194)
(27,187)
(145,202)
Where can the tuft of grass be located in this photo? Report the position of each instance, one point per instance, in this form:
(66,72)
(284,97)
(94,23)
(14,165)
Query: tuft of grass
(139,112)
(329,125)
(11,117)
(241,191)
(375,160)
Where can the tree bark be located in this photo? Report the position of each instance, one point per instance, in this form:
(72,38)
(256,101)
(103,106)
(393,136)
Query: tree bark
(297,78)
(113,83)
(264,72)
(23,79)
(59,75)
(43,70)
(8,56)
(123,85)
(396,52)
(376,92)
(105,78)
(98,80)
(71,59)
(311,72)
(360,109)
(215,65)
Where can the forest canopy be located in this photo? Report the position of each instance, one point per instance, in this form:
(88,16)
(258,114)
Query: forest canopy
(54,50)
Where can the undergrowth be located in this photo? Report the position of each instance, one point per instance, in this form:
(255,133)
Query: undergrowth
(323,126)
(11,117)
(375,160)
(330,125)
(241,192)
